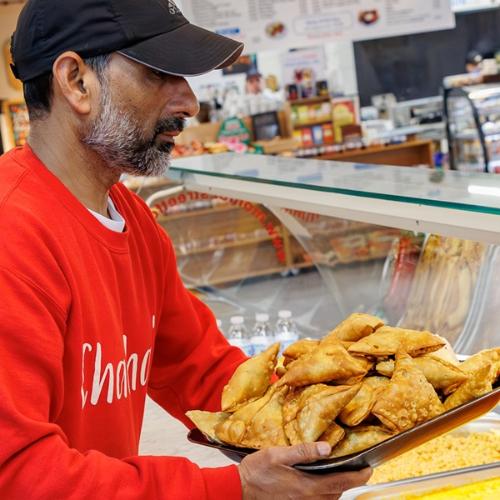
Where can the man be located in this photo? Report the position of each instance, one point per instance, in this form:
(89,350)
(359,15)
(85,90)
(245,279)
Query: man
(254,83)
(93,313)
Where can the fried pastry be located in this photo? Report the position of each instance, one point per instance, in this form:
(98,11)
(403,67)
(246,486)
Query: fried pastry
(441,374)
(387,341)
(356,326)
(207,421)
(333,435)
(409,399)
(319,411)
(328,362)
(299,349)
(489,357)
(232,430)
(251,380)
(361,405)
(359,439)
(294,402)
(483,370)
(266,427)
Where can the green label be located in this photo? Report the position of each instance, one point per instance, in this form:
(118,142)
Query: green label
(234,128)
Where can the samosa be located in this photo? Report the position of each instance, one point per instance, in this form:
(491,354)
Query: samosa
(250,380)
(409,399)
(328,362)
(387,341)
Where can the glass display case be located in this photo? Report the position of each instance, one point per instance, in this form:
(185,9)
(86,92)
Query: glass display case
(473,127)
(325,239)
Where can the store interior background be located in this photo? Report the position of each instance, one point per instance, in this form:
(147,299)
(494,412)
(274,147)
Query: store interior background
(410,67)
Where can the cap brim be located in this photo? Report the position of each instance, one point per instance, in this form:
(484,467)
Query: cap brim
(186,51)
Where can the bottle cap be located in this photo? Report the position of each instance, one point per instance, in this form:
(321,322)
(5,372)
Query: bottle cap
(262,317)
(285,314)
(237,320)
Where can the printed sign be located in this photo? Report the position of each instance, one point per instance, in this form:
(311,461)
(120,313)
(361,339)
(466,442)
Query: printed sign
(284,24)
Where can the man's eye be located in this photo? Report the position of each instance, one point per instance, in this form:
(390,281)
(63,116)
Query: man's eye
(158,74)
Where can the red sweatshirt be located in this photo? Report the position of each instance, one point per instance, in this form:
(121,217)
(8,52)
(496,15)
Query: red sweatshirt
(91,320)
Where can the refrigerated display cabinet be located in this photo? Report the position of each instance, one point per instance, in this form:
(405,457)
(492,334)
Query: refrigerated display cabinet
(418,247)
(473,127)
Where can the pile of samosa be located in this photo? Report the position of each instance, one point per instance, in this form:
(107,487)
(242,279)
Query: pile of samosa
(361,384)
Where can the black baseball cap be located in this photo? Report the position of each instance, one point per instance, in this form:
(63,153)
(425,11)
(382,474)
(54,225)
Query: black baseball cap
(151,32)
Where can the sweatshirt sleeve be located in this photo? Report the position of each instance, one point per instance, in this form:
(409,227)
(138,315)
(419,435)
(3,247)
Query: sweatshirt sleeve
(36,460)
(192,361)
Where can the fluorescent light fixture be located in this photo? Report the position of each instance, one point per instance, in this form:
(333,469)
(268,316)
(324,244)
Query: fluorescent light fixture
(484,190)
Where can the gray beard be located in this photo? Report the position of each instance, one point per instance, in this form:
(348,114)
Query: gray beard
(118,138)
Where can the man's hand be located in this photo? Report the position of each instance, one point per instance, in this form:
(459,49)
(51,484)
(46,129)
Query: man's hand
(268,474)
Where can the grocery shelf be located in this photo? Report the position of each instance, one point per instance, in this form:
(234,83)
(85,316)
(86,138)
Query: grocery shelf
(196,213)
(313,123)
(224,246)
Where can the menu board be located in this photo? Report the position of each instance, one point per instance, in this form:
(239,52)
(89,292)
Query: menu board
(283,24)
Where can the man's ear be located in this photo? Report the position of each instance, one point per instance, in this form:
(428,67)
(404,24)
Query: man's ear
(74,80)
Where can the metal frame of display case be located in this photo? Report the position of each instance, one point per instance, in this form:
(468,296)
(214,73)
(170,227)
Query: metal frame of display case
(459,91)
(473,214)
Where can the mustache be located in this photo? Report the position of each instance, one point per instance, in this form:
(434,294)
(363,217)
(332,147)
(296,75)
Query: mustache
(170,124)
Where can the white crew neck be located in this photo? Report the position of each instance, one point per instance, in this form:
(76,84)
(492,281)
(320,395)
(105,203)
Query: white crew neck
(115,222)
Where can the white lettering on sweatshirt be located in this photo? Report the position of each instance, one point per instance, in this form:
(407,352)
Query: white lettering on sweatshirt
(116,382)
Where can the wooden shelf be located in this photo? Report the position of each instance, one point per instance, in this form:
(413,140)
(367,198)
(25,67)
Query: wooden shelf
(223,246)
(407,154)
(242,276)
(197,213)
(313,124)
(310,100)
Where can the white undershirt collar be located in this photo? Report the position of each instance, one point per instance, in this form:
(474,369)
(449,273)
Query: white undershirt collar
(115,222)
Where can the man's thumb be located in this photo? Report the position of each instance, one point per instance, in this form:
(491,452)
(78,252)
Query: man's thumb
(307,453)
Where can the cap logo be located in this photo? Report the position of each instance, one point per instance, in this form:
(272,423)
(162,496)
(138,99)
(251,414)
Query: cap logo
(172,8)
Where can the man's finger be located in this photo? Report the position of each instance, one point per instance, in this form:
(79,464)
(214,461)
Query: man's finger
(301,453)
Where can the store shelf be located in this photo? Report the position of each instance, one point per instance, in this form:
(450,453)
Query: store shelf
(243,276)
(224,246)
(197,213)
(313,124)
(464,205)
(410,153)
(310,100)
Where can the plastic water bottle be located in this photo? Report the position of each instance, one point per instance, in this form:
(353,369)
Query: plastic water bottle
(262,335)
(238,335)
(285,331)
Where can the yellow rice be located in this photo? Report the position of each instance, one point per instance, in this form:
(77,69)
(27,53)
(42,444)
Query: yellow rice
(448,452)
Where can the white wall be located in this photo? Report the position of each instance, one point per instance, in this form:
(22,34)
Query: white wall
(8,20)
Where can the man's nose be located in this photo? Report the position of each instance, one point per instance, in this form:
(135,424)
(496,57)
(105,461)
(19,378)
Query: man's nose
(183,102)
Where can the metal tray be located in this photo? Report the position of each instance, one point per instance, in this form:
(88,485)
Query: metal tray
(384,451)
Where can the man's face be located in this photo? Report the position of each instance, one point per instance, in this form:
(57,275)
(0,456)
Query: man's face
(139,114)
(254,85)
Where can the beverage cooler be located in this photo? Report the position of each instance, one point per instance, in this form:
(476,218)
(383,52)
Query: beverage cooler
(473,127)
(417,247)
